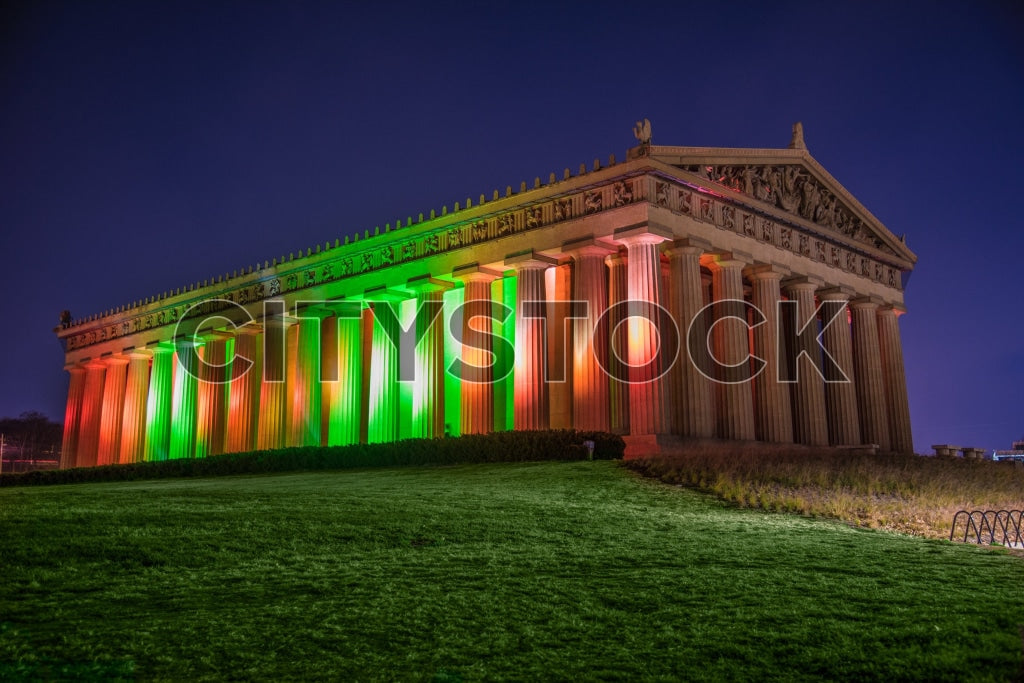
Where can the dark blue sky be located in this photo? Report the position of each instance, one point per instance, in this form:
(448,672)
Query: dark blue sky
(149,145)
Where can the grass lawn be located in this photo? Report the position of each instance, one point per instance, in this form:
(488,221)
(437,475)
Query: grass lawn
(526,571)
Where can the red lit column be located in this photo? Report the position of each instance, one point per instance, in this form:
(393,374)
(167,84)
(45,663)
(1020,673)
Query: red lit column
(92,409)
(273,410)
(477,379)
(590,347)
(211,399)
(810,423)
(648,402)
(772,411)
(867,365)
(841,396)
(618,346)
(73,417)
(244,392)
(895,379)
(133,422)
(531,410)
(731,345)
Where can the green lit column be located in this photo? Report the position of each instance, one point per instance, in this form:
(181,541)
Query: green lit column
(428,387)
(73,417)
(384,410)
(133,425)
(343,368)
(158,404)
(183,400)
(306,390)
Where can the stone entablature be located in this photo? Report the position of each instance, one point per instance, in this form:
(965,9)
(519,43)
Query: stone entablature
(642,180)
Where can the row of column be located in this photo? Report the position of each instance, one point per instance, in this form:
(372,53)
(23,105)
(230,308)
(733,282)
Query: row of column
(146,406)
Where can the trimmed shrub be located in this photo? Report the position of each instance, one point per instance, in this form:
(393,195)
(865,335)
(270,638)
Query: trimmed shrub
(525,446)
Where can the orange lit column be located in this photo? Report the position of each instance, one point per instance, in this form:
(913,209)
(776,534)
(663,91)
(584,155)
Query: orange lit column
(590,347)
(92,410)
(810,423)
(109,449)
(73,417)
(558,371)
(244,392)
(895,380)
(133,421)
(618,347)
(428,389)
(694,402)
(648,403)
(273,409)
(158,403)
(867,366)
(477,372)
(531,389)
(841,396)
(772,411)
(731,342)
(304,374)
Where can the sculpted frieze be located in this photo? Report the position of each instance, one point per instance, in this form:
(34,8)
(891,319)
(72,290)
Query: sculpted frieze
(792,189)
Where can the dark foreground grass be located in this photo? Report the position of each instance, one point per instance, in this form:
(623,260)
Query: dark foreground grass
(516,571)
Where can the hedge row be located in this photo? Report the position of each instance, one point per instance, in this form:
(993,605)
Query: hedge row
(475,448)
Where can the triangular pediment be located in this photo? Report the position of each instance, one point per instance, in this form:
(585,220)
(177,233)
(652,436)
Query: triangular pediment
(789,181)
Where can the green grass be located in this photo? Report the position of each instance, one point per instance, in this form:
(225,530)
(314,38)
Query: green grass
(508,571)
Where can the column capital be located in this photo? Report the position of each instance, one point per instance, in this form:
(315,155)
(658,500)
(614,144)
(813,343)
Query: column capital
(868,302)
(474,272)
(642,234)
(802,283)
(688,245)
(897,309)
(587,246)
(835,293)
(529,259)
(615,260)
(425,284)
(766,271)
(727,260)
(386,293)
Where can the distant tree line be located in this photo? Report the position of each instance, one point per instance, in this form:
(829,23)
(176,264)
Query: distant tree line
(31,436)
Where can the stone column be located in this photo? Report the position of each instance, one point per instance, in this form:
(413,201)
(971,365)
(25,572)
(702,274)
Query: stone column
(92,410)
(383,419)
(158,404)
(211,398)
(478,390)
(810,423)
(867,366)
(841,396)
(590,344)
(428,389)
(183,401)
(694,404)
(531,409)
(558,287)
(133,423)
(649,403)
(618,347)
(273,406)
(731,343)
(109,449)
(773,414)
(73,417)
(895,379)
(244,392)
(304,386)
(343,358)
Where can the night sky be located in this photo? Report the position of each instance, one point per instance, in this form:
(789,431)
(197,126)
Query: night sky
(144,146)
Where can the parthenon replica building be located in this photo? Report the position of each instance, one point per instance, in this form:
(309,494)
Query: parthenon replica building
(639,297)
